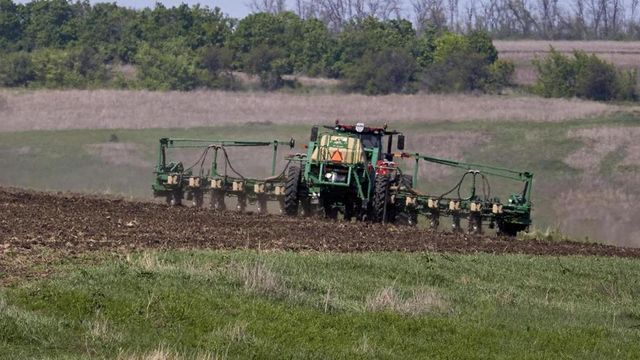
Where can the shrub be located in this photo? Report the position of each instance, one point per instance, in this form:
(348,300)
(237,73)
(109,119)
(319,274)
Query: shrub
(481,42)
(500,75)
(450,45)
(217,63)
(171,68)
(72,68)
(583,76)
(463,63)
(16,69)
(384,72)
(269,64)
(556,75)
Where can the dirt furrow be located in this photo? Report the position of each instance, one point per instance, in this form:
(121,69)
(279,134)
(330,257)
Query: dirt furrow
(77,223)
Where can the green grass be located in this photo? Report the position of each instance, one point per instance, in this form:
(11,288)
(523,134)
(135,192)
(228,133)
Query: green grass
(313,305)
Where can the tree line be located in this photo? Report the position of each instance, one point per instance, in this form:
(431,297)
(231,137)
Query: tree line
(58,43)
(63,44)
(511,19)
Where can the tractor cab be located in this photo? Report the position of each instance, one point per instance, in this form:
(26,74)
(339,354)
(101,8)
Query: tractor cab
(343,141)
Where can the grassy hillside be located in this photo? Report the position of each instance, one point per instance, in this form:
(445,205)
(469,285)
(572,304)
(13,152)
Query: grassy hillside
(586,170)
(283,305)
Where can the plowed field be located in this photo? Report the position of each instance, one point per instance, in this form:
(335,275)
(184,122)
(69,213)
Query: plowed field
(83,223)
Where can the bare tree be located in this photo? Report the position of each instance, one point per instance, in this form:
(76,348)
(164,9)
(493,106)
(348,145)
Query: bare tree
(336,12)
(453,8)
(429,13)
(268,6)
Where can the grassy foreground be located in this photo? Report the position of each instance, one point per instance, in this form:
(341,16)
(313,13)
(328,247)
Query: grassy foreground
(240,304)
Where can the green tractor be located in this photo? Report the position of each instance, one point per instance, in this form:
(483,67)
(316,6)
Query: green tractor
(348,169)
(351,169)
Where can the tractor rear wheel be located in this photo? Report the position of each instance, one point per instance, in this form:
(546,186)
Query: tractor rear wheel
(292,191)
(380,205)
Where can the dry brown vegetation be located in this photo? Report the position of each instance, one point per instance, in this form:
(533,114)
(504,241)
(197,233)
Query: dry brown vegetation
(111,109)
(522,52)
(424,300)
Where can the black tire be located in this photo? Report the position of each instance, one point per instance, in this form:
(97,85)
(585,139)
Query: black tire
(198,199)
(262,205)
(330,211)
(406,216)
(217,200)
(406,181)
(291,191)
(475,224)
(380,203)
(241,206)
(510,229)
(434,221)
(175,199)
(349,210)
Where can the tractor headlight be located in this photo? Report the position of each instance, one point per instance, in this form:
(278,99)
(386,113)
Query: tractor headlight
(335,177)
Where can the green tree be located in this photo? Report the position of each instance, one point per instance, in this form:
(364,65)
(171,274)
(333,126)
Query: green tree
(556,75)
(217,63)
(16,69)
(10,24)
(172,67)
(391,70)
(269,64)
(371,35)
(48,23)
(107,27)
(584,76)
(481,43)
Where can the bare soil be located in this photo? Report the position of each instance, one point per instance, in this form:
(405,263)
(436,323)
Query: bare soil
(37,229)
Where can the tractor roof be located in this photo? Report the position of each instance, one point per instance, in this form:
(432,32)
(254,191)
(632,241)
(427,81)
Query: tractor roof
(360,128)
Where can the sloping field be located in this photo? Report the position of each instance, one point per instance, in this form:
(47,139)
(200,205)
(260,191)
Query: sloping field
(92,277)
(111,109)
(74,224)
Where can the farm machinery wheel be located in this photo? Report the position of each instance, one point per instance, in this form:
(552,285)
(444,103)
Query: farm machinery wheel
(434,220)
(351,209)
(296,193)
(262,205)
(174,198)
(407,216)
(198,199)
(380,205)
(475,224)
(510,229)
(217,200)
(241,206)
(330,211)
(455,223)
